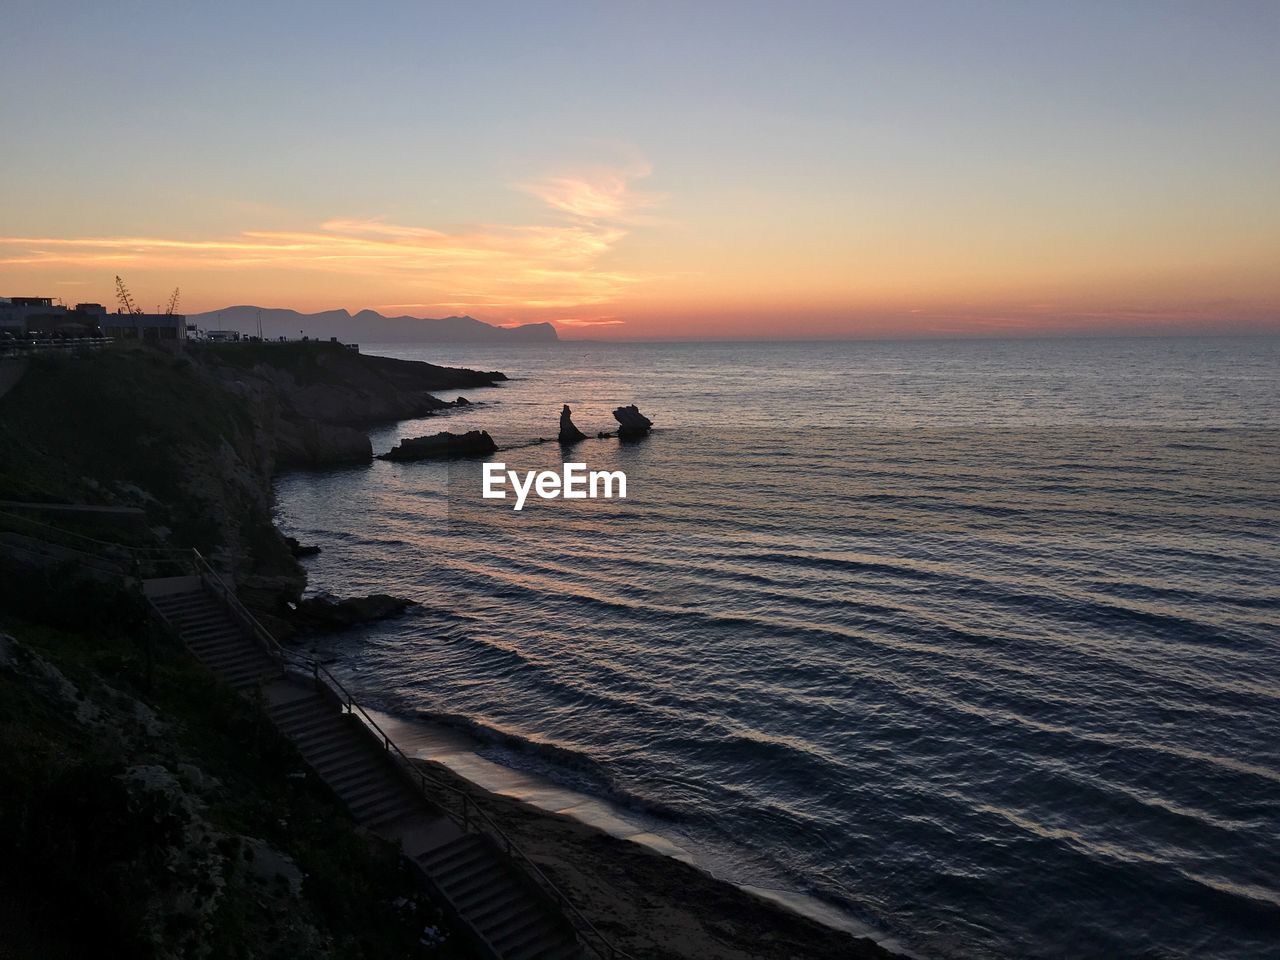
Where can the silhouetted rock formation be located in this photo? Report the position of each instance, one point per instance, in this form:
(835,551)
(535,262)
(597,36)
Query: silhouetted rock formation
(312,443)
(443,444)
(631,422)
(324,613)
(301,549)
(568,432)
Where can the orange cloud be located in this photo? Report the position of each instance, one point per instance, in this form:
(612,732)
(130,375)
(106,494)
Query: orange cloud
(605,195)
(488,266)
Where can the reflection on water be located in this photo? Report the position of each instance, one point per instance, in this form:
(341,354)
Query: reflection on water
(977,641)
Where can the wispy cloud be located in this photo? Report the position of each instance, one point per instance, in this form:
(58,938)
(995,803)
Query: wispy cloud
(603,195)
(557,265)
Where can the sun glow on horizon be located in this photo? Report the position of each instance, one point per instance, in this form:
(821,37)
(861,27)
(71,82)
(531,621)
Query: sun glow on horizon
(729,171)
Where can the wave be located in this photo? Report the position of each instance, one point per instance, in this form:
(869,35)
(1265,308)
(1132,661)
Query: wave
(563,765)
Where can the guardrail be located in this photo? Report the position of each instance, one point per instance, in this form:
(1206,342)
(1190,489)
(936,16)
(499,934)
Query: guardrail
(23,348)
(260,634)
(472,818)
(125,555)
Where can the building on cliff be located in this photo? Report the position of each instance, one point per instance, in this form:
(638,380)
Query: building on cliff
(145,326)
(40,315)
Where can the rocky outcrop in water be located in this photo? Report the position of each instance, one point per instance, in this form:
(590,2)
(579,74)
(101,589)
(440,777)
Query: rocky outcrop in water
(442,445)
(325,613)
(301,549)
(568,432)
(631,422)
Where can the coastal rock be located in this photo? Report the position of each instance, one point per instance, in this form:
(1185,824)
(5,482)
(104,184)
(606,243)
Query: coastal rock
(568,432)
(301,549)
(443,444)
(462,402)
(631,422)
(325,613)
(312,443)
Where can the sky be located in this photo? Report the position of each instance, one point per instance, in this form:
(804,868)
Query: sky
(697,170)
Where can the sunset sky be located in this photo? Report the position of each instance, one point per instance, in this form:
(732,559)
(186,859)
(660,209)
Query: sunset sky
(652,170)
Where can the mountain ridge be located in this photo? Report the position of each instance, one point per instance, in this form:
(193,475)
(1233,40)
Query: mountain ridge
(368,325)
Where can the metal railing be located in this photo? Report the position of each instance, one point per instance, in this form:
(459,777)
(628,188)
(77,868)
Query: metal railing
(139,557)
(473,817)
(261,635)
(23,347)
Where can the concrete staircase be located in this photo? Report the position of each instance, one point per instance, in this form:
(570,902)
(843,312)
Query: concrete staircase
(215,637)
(508,915)
(472,875)
(337,747)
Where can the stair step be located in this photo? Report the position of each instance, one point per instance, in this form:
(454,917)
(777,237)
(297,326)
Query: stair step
(482,876)
(457,870)
(342,769)
(250,668)
(458,867)
(503,899)
(184,601)
(300,705)
(232,658)
(193,606)
(349,770)
(376,797)
(569,950)
(247,671)
(198,618)
(363,792)
(333,723)
(538,939)
(391,809)
(344,757)
(250,680)
(211,631)
(300,724)
(318,742)
(215,641)
(319,748)
(507,929)
(440,858)
(356,781)
(412,807)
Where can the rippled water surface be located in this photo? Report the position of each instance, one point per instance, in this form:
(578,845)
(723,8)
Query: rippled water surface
(978,641)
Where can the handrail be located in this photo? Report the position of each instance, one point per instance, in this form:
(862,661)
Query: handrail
(260,633)
(587,931)
(128,548)
(609,951)
(21,347)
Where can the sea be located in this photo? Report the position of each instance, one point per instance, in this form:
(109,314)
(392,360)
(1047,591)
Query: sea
(973,645)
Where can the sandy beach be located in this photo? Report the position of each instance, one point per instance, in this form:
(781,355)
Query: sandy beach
(652,905)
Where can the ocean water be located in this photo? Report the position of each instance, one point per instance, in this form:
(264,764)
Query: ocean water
(977,641)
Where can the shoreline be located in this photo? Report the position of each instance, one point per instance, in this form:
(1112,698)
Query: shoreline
(649,895)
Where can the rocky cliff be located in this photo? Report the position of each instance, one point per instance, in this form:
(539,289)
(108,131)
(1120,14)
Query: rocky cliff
(145,812)
(194,438)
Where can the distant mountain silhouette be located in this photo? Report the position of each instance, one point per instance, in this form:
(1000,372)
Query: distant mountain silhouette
(368,326)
